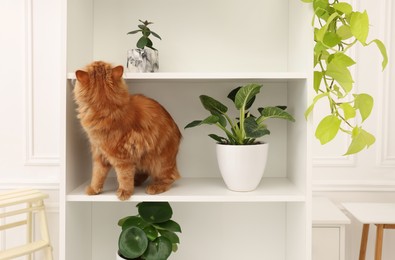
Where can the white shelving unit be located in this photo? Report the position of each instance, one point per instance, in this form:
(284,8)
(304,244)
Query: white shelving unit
(272,222)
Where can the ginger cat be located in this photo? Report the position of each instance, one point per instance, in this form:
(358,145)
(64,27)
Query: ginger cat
(132,133)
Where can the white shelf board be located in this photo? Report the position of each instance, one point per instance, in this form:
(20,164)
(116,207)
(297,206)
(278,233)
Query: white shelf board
(270,76)
(200,190)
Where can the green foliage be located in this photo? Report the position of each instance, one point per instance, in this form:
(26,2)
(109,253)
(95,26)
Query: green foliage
(246,128)
(151,234)
(144,40)
(338,28)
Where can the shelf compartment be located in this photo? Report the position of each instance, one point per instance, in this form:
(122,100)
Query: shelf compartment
(199,190)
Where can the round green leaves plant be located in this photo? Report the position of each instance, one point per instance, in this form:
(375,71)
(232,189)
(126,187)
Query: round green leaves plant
(149,235)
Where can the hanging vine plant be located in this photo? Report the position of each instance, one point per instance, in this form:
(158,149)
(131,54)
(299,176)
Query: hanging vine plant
(338,29)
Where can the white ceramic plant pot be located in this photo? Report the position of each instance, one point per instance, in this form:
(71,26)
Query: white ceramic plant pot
(242,166)
(143,60)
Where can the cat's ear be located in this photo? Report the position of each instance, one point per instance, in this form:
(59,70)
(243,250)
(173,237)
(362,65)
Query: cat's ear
(117,72)
(82,76)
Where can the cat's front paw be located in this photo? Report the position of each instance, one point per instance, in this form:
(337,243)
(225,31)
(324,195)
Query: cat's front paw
(124,194)
(157,188)
(91,191)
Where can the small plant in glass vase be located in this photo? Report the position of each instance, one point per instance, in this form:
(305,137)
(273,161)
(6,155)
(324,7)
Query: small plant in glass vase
(150,235)
(144,58)
(241,158)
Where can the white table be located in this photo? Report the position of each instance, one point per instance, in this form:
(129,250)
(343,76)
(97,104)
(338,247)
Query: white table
(380,214)
(329,235)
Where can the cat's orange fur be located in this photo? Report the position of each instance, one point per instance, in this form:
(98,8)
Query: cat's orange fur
(132,133)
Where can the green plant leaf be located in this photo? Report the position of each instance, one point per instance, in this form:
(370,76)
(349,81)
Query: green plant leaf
(169,225)
(246,94)
(361,139)
(320,7)
(317,80)
(212,105)
(134,32)
(132,242)
(210,120)
(142,42)
(151,232)
(380,45)
(344,32)
(322,31)
(360,26)
(327,129)
(155,212)
(133,221)
(341,74)
(170,235)
(349,111)
(331,39)
(364,103)
(219,139)
(274,112)
(341,59)
(345,8)
(159,249)
(253,130)
(156,35)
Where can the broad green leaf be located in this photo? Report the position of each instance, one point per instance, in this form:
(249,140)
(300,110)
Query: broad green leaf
(341,59)
(253,130)
(218,138)
(169,225)
(232,96)
(274,112)
(331,39)
(341,74)
(170,235)
(321,32)
(317,80)
(212,105)
(151,232)
(361,139)
(132,221)
(155,212)
(364,103)
(132,242)
(142,42)
(320,7)
(360,26)
(159,249)
(327,129)
(345,8)
(210,120)
(383,51)
(348,110)
(344,32)
(245,94)
(133,32)
(156,35)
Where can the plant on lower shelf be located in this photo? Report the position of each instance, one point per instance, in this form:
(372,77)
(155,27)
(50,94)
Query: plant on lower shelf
(338,28)
(245,128)
(151,234)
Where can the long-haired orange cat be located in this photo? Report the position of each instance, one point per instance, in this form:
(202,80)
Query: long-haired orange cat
(132,133)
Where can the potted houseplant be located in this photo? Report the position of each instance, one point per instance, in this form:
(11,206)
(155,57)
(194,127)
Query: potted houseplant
(145,58)
(241,158)
(150,235)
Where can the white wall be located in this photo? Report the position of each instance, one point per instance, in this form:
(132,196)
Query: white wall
(31,52)
(29,103)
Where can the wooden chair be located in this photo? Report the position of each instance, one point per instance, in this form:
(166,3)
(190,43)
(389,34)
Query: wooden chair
(25,204)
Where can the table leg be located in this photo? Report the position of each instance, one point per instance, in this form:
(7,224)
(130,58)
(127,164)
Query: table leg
(364,241)
(379,241)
